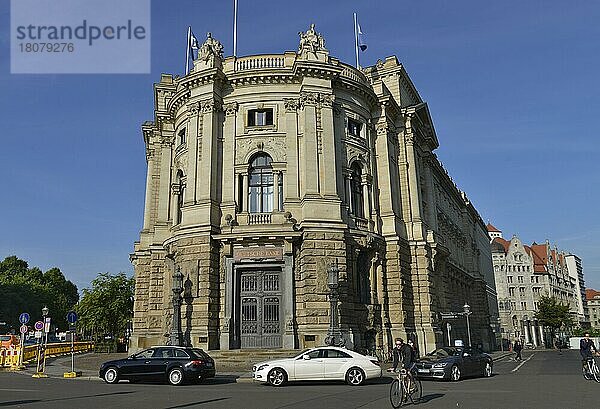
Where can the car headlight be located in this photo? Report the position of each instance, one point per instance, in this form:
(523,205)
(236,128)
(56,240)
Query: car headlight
(263,366)
(440,365)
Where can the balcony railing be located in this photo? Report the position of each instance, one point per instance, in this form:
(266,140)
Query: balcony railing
(259,218)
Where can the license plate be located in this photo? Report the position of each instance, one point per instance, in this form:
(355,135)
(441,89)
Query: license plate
(209,364)
(423,370)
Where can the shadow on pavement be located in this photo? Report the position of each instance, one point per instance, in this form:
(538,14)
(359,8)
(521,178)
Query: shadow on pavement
(26,401)
(187,405)
(430,397)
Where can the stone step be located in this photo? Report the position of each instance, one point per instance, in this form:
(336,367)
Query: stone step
(247,357)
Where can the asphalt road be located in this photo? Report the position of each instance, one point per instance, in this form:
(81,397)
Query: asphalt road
(544,379)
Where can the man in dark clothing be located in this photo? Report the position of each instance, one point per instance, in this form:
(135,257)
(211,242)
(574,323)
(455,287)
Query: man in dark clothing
(586,349)
(517,347)
(403,354)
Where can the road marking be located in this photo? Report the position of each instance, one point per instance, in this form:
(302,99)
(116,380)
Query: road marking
(18,390)
(523,363)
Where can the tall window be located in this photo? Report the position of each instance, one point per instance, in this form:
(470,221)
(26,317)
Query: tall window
(260,186)
(181,136)
(354,127)
(356,191)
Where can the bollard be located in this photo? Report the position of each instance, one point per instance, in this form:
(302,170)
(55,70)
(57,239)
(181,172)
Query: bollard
(15,362)
(2,357)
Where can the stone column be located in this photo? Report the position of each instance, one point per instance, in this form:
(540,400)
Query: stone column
(229,133)
(326,147)
(413,182)
(347,178)
(175,192)
(276,191)
(164,194)
(542,341)
(192,153)
(308,102)
(292,187)
(366,200)
(526,331)
(534,334)
(245,192)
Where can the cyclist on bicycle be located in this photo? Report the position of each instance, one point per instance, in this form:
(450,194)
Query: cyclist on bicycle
(586,349)
(404,355)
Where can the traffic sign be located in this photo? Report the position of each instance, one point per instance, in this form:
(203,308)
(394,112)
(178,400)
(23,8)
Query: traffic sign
(23,329)
(24,318)
(448,316)
(72,317)
(47,324)
(39,325)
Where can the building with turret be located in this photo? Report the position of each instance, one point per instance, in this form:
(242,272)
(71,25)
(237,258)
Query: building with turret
(267,172)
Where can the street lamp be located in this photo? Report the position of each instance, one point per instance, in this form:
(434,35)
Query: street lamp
(467,311)
(177,290)
(334,335)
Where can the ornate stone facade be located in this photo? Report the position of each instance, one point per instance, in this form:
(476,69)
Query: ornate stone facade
(264,171)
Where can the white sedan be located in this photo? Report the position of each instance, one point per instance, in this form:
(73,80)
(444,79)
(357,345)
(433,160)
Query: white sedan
(319,364)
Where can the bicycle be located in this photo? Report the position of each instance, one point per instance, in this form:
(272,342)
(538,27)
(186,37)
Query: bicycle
(591,370)
(404,388)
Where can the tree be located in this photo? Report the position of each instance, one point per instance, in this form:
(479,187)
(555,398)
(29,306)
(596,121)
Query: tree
(24,289)
(553,314)
(107,307)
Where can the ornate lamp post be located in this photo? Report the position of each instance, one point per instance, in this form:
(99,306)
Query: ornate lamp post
(334,335)
(177,290)
(467,311)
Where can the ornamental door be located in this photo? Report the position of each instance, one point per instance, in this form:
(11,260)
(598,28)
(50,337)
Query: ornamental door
(260,303)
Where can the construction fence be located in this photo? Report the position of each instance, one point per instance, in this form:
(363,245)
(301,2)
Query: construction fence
(10,357)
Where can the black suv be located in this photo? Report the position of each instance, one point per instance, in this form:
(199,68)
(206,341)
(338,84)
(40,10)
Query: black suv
(174,364)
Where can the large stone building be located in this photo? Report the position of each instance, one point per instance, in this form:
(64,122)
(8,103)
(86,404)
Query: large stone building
(265,171)
(525,273)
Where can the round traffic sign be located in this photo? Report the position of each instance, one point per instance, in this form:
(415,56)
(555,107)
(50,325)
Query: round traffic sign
(23,329)
(24,318)
(39,325)
(72,317)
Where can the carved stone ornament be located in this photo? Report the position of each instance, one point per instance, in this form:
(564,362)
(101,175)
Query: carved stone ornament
(211,49)
(273,146)
(311,41)
(210,105)
(231,108)
(290,104)
(327,100)
(382,128)
(192,109)
(309,98)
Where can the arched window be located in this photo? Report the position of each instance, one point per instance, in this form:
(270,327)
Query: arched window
(260,186)
(181,182)
(356,191)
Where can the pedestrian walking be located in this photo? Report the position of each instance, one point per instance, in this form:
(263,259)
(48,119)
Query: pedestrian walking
(517,347)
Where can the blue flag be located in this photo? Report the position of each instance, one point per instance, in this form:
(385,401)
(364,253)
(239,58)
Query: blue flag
(362,39)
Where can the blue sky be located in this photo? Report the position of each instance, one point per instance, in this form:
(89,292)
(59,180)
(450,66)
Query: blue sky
(512,87)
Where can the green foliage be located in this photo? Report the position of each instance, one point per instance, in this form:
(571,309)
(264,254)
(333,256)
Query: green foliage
(106,308)
(24,289)
(579,332)
(553,314)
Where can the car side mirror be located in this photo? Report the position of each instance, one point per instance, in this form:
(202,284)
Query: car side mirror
(131,357)
(466,354)
(306,357)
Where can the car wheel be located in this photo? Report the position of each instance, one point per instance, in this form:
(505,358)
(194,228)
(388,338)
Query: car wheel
(175,376)
(277,377)
(355,376)
(111,375)
(454,373)
(487,370)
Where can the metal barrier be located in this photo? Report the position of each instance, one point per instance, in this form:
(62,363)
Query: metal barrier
(9,358)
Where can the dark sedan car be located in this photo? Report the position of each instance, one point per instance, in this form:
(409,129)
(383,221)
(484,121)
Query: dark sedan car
(454,363)
(174,364)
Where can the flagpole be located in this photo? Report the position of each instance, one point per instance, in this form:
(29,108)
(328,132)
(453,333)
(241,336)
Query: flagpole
(235,28)
(356,41)
(187,51)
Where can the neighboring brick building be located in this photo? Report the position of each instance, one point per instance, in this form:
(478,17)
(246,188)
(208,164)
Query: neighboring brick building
(266,170)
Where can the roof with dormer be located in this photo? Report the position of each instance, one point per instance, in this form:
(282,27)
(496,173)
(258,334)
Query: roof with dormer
(492,229)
